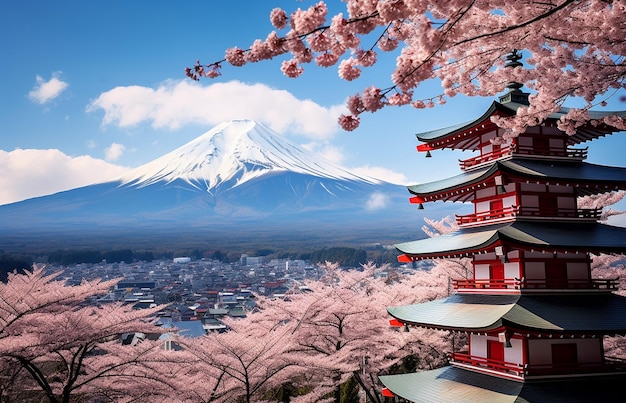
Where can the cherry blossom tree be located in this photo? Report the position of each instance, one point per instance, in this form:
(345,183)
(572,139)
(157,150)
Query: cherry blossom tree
(243,364)
(575,48)
(56,347)
(341,332)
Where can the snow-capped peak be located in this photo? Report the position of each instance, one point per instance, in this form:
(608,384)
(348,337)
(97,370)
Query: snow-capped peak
(235,151)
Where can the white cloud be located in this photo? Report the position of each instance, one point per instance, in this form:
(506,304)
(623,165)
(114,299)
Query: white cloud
(376,201)
(30,173)
(114,152)
(174,104)
(45,91)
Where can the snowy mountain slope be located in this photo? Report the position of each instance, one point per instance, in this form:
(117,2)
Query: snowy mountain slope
(239,177)
(233,153)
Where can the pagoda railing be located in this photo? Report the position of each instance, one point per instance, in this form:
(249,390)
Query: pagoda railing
(515,211)
(510,368)
(536,370)
(506,212)
(544,211)
(487,283)
(569,152)
(608,365)
(490,156)
(517,284)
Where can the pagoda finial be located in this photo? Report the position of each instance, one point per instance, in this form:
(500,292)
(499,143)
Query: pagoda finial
(514,94)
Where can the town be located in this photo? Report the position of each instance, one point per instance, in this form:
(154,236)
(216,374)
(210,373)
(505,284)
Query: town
(198,292)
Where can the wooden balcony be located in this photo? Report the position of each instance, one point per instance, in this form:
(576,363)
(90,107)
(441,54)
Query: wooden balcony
(578,154)
(539,284)
(575,213)
(487,216)
(491,156)
(517,370)
(609,365)
(510,213)
(480,363)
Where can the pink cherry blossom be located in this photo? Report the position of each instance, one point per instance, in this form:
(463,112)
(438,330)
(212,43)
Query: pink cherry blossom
(349,122)
(571,49)
(278,17)
(348,69)
(235,56)
(326,59)
(372,99)
(291,69)
(355,104)
(366,58)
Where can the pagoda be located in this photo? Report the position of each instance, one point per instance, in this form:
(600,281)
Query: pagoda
(534,317)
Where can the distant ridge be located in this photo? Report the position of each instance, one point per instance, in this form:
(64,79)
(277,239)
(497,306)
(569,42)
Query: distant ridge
(239,179)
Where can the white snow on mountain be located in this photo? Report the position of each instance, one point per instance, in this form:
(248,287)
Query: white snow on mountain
(235,151)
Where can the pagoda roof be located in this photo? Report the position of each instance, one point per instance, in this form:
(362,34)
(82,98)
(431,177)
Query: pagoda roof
(590,178)
(564,313)
(453,384)
(464,135)
(545,236)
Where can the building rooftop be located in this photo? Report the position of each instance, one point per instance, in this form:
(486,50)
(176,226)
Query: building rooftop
(564,313)
(451,384)
(543,236)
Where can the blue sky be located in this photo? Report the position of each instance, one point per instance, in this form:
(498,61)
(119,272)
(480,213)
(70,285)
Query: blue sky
(90,89)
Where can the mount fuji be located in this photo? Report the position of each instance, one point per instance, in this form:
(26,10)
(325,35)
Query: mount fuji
(238,178)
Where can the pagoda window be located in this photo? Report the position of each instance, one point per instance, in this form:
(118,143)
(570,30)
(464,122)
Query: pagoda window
(578,274)
(590,350)
(524,144)
(548,205)
(541,145)
(556,274)
(564,354)
(535,274)
(552,355)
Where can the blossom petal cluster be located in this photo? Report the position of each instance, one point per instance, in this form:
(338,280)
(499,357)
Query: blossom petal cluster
(572,48)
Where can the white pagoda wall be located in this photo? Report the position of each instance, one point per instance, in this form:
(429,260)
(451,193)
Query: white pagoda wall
(478,348)
(481,270)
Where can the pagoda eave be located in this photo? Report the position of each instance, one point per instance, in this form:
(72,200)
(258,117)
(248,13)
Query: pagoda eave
(454,384)
(586,178)
(465,136)
(536,236)
(538,314)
